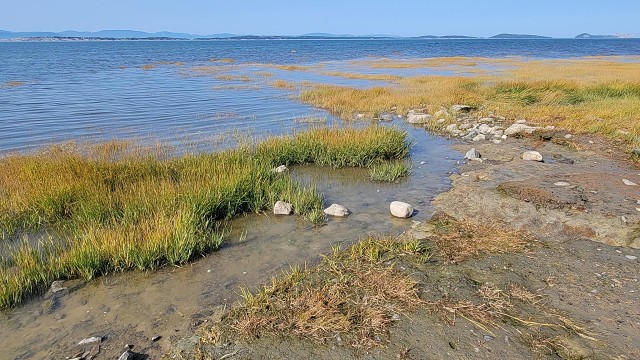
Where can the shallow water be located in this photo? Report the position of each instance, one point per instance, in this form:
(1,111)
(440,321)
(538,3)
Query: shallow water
(133,307)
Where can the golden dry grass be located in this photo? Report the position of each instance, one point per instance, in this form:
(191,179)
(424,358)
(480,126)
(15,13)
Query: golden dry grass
(282,84)
(587,95)
(243,78)
(348,75)
(10,84)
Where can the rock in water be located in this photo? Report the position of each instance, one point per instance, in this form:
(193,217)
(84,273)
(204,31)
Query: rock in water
(282,208)
(280,169)
(472,154)
(531,156)
(336,210)
(401,209)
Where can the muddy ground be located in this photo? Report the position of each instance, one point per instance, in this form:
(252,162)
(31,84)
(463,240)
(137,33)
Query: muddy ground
(583,266)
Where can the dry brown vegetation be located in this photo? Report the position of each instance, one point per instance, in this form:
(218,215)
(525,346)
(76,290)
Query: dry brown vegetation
(243,78)
(348,75)
(282,84)
(457,241)
(10,84)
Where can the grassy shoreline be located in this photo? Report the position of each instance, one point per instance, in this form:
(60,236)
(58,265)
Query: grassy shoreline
(114,208)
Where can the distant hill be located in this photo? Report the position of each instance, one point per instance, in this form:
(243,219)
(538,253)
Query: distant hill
(518,36)
(444,37)
(107,34)
(616,36)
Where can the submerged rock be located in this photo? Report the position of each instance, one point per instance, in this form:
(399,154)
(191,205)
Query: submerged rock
(531,156)
(401,209)
(282,208)
(336,210)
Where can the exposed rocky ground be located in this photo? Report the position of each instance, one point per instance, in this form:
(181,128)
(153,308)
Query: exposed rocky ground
(578,279)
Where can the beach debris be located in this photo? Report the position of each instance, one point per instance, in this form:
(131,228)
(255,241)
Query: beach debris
(401,209)
(282,208)
(336,210)
(561,183)
(531,156)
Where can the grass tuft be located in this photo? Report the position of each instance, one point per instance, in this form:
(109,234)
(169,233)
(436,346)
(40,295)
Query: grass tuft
(388,171)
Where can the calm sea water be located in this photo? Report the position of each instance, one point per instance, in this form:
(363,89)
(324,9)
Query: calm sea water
(98,90)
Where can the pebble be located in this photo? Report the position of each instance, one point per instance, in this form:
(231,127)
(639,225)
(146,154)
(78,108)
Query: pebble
(422,162)
(531,156)
(631,257)
(629,182)
(561,183)
(472,154)
(156,338)
(479,137)
(568,136)
(90,340)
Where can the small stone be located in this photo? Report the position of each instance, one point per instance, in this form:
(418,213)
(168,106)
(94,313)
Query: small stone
(518,128)
(472,154)
(503,137)
(487,337)
(531,156)
(484,129)
(521,121)
(128,346)
(280,169)
(629,182)
(127,355)
(496,141)
(479,137)
(336,210)
(460,108)
(422,162)
(401,209)
(631,257)
(386,117)
(441,121)
(282,208)
(561,183)
(637,209)
(57,286)
(156,338)
(416,117)
(359,116)
(452,128)
(90,340)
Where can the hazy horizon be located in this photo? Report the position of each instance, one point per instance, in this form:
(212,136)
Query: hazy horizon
(291,18)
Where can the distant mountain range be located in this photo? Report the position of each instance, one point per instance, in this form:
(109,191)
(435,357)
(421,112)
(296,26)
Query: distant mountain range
(165,35)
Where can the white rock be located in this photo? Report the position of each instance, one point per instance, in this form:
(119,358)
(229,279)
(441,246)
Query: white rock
(521,121)
(441,113)
(497,132)
(631,257)
(360,116)
(472,154)
(441,121)
(496,141)
(503,137)
(561,183)
(401,209)
(416,118)
(282,208)
(486,120)
(550,127)
(519,128)
(91,340)
(336,210)
(452,128)
(629,182)
(479,137)
(531,156)
(280,169)
(568,136)
(484,129)
(460,108)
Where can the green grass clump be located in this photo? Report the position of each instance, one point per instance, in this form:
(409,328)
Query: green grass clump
(389,171)
(113,207)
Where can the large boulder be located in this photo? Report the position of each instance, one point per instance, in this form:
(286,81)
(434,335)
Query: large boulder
(282,208)
(336,210)
(401,209)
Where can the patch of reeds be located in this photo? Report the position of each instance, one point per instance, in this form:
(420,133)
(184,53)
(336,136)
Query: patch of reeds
(388,171)
(243,78)
(11,84)
(361,76)
(113,207)
(282,84)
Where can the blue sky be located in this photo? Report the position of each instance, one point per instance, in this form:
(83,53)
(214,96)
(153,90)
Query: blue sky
(558,18)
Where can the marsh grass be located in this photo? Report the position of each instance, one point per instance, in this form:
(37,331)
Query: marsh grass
(116,207)
(282,84)
(588,95)
(348,75)
(388,171)
(12,84)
